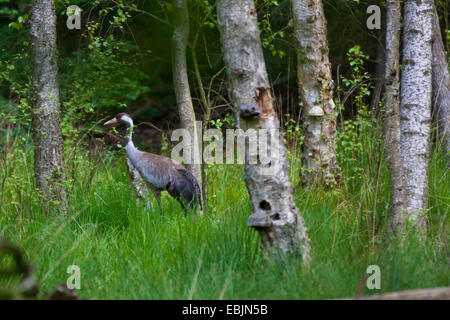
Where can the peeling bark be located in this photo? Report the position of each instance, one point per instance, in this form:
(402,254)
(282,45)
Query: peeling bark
(181,83)
(441,85)
(275,215)
(416,107)
(392,117)
(316,92)
(47,136)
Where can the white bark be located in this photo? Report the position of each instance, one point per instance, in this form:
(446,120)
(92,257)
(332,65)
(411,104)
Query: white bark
(47,136)
(181,84)
(392,120)
(316,92)
(275,215)
(416,106)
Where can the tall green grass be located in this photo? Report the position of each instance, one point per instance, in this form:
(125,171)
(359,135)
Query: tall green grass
(128,251)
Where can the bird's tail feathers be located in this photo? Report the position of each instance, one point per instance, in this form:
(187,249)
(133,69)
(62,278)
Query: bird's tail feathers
(198,192)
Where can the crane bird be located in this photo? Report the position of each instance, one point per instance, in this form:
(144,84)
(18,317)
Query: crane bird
(160,173)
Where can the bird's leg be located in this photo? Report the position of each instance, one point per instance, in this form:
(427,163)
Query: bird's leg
(139,185)
(148,203)
(183,206)
(157,194)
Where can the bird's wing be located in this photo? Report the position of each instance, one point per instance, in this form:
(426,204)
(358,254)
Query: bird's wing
(193,185)
(165,173)
(184,187)
(154,169)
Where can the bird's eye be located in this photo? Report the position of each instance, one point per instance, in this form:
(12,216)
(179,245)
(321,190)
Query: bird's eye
(119,116)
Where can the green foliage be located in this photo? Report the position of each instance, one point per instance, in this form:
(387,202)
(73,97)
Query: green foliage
(216,123)
(7,9)
(101,78)
(293,131)
(15,90)
(268,35)
(165,146)
(209,17)
(227,122)
(128,251)
(105,75)
(358,137)
(19,23)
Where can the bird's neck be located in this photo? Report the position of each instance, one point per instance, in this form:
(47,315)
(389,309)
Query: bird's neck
(129,135)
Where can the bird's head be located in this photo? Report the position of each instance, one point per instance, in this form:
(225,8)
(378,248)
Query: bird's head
(120,119)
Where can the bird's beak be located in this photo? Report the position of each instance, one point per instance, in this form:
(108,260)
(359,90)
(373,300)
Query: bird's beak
(113,121)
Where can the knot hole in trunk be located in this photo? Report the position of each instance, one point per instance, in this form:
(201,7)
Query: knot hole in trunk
(265,205)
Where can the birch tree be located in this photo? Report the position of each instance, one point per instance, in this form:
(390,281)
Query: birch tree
(392,118)
(181,85)
(316,92)
(275,215)
(441,85)
(47,137)
(415,107)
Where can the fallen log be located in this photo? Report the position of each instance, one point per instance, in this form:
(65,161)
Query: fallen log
(439,293)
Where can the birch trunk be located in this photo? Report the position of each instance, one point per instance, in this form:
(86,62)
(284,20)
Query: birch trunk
(275,215)
(206,118)
(47,136)
(316,92)
(181,85)
(392,119)
(441,85)
(416,107)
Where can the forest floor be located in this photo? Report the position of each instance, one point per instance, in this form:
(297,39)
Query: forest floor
(127,251)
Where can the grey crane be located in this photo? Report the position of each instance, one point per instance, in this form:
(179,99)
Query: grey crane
(160,173)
